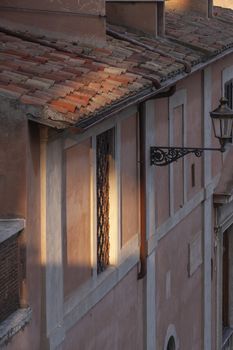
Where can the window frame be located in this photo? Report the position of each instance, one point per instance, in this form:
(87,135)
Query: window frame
(179,99)
(122,259)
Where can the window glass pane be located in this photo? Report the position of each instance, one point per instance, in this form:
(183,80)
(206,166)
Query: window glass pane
(103,150)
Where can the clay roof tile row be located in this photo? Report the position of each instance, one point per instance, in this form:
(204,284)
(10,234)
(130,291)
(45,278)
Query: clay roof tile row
(72,83)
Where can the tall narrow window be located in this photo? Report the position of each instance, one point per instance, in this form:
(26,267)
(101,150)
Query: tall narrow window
(229,92)
(103,150)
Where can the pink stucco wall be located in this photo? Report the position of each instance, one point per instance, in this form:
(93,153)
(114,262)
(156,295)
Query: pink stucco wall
(161,179)
(116,322)
(184,307)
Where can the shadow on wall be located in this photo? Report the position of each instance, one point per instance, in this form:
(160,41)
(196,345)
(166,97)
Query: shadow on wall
(13,153)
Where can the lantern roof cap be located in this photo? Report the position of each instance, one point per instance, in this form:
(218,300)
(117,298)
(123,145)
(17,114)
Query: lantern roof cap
(223,110)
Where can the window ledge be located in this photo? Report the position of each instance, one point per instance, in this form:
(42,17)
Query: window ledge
(82,300)
(226,337)
(9,227)
(13,324)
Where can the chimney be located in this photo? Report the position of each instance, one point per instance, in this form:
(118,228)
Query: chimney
(71,20)
(201,7)
(141,16)
(224,3)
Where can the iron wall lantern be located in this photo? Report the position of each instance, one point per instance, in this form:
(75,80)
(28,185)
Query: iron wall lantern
(222,120)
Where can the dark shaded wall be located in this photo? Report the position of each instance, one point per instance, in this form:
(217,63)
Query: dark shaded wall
(20,197)
(13,145)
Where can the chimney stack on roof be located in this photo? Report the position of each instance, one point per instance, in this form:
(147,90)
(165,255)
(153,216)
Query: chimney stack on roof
(141,16)
(224,3)
(71,20)
(201,7)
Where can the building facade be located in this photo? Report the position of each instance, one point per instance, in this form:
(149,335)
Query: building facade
(99,248)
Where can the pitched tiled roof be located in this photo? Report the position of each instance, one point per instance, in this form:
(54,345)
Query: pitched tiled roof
(210,36)
(71,84)
(64,86)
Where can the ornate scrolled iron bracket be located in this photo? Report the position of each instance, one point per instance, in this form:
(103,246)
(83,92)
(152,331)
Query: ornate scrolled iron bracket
(162,156)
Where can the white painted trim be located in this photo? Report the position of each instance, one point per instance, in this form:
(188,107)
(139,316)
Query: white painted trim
(219,244)
(122,259)
(150,140)
(150,173)
(207,209)
(189,206)
(93,240)
(176,100)
(54,246)
(230,235)
(171,332)
(171,168)
(10,227)
(117,211)
(185,162)
(207,124)
(128,248)
(179,215)
(16,322)
(74,139)
(226,223)
(151,302)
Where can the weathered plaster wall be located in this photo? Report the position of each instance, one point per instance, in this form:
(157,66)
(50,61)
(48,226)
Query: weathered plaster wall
(94,7)
(24,187)
(161,173)
(176,285)
(179,297)
(116,322)
(77,215)
(13,145)
(129,179)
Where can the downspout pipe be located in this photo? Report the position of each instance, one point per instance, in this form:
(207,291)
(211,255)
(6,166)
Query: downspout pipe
(143,246)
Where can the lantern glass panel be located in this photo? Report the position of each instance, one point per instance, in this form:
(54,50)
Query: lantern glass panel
(217,127)
(226,128)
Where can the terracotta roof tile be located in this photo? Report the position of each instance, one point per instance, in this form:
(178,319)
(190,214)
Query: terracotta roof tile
(65,104)
(6,91)
(212,36)
(74,84)
(32,100)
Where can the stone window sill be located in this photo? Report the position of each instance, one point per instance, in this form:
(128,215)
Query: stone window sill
(13,324)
